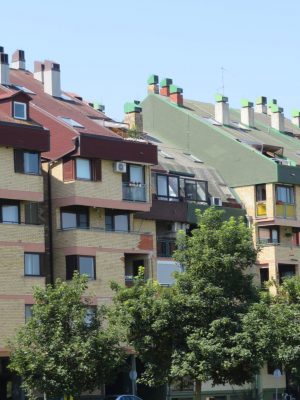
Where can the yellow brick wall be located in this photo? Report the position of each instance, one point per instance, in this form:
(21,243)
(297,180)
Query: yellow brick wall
(16,181)
(22,233)
(12,317)
(110,187)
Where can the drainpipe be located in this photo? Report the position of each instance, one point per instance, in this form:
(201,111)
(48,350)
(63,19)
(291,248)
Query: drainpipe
(50,222)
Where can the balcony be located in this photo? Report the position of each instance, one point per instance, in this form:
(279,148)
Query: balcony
(284,210)
(99,237)
(166,247)
(134,192)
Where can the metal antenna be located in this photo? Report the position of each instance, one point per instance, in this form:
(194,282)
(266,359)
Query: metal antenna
(223,84)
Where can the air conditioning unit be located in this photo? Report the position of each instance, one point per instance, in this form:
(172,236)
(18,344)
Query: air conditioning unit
(216,201)
(177,226)
(120,167)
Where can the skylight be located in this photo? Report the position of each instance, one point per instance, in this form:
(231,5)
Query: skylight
(24,89)
(166,155)
(65,97)
(71,122)
(193,158)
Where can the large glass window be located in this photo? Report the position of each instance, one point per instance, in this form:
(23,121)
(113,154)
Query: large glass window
(74,217)
(32,264)
(20,110)
(167,187)
(83,169)
(116,221)
(10,213)
(195,190)
(285,194)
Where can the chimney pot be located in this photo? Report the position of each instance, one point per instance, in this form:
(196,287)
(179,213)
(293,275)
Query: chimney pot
(1,49)
(247,113)
(176,95)
(261,105)
(296,118)
(221,109)
(153,84)
(277,117)
(164,86)
(52,78)
(133,115)
(4,69)
(18,60)
(270,105)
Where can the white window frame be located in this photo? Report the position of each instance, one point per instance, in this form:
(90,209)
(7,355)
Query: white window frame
(25,110)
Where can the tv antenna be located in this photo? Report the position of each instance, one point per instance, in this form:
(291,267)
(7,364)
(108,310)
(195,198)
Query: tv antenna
(223,82)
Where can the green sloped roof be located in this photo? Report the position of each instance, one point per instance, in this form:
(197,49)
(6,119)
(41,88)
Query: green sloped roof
(229,149)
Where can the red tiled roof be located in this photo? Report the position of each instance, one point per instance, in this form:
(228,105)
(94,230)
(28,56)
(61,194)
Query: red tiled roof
(45,109)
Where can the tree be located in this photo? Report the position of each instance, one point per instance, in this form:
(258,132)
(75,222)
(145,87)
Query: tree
(276,319)
(63,349)
(194,329)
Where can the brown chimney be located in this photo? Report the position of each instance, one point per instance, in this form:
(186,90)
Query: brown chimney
(18,60)
(176,95)
(165,86)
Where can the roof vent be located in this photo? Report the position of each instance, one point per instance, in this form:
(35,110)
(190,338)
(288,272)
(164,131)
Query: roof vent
(247,113)
(261,105)
(296,118)
(52,78)
(277,118)
(221,109)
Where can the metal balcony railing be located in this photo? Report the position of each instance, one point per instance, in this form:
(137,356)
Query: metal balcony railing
(134,191)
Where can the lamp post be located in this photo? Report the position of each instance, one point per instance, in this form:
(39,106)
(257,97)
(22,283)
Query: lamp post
(277,375)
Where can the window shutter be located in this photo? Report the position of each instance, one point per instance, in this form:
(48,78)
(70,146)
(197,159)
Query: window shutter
(71,266)
(19,160)
(68,169)
(96,168)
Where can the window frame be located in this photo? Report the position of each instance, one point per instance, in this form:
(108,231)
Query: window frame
(25,110)
(75,210)
(126,175)
(167,197)
(257,187)
(6,202)
(40,263)
(270,229)
(90,169)
(26,317)
(76,267)
(112,214)
(196,181)
(286,187)
(19,162)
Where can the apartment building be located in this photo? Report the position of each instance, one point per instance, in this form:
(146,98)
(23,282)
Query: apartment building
(256,150)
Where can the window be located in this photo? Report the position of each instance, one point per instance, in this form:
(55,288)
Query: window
(71,122)
(135,174)
(195,190)
(82,264)
(286,271)
(268,235)
(74,217)
(134,188)
(261,193)
(27,162)
(83,169)
(20,110)
(10,212)
(116,221)
(264,275)
(24,89)
(285,194)
(28,312)
(167,187)
(32,213)
(32,264)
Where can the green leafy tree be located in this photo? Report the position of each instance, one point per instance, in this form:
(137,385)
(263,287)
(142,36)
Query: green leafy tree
(274,326)
(63,349)
(194,329)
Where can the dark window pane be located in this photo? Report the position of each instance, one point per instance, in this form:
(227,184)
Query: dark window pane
(20,110)
(261,193)
(28,312)
(32,213)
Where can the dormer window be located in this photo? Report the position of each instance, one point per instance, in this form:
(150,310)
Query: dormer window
(20,110)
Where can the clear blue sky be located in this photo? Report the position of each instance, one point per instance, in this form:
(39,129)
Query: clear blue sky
(107,49)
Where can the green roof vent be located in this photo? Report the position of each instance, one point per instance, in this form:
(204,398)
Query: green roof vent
(220,98)
(261,100)
(152,80)
(132,108)
(295,113)
(166,82)
(98,106)
(276,109)
(272,103)
(246,103)
(175,89)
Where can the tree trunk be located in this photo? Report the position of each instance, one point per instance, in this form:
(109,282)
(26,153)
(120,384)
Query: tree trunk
(197,394)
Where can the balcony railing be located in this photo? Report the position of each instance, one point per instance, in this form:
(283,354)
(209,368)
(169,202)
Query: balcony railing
(266,242)
(284,210)
(166,247)
(101,229)
(134,192)
(261,209)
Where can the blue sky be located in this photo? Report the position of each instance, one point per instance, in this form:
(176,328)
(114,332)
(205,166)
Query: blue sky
(107,49)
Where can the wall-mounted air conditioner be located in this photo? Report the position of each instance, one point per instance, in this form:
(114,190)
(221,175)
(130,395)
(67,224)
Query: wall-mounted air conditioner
(216,201)
(120,167)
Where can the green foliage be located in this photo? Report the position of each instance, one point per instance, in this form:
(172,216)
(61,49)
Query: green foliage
(194,328)
(274,325)
(58,351)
